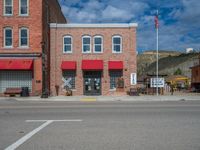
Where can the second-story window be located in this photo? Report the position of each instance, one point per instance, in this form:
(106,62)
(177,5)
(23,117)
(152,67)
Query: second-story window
(116,44)
(8,7)
(98,44)
(23,7)
(8,41)
(67,44)
(86,44)
(23,37)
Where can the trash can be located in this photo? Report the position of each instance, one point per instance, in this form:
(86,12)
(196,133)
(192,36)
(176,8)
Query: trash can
(25,92)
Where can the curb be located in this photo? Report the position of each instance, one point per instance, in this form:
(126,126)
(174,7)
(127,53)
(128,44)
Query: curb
(105,98)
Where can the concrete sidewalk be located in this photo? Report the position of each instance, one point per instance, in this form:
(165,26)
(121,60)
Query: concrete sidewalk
(108,98)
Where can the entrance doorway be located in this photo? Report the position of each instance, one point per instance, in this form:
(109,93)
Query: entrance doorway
(92,82)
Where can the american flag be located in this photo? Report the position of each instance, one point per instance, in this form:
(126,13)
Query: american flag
(156,21)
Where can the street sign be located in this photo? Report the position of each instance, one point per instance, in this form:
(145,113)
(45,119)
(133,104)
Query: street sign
(133,78)
(160,82)
(66,82)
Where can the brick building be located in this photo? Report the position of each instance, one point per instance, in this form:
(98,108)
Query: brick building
(93,59)
(24,37)
(195,79)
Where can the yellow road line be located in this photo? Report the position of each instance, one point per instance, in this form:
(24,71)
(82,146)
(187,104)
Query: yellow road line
(88,99)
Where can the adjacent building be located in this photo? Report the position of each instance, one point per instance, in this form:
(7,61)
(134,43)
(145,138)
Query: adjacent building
(24,43)
(195,79)
(93,59)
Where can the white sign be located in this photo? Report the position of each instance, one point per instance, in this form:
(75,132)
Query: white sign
(160,82)
(66,82)
(133,78)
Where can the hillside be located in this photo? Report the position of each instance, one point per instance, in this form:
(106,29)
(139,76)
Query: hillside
(167,64)
(148,57)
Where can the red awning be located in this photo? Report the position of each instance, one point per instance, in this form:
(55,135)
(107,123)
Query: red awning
(115,65)
(92,64)
(68,65)
(16,64)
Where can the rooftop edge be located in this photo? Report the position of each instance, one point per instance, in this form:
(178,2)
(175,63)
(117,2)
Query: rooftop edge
(100,25)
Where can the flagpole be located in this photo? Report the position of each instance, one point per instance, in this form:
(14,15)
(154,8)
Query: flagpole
(157,58)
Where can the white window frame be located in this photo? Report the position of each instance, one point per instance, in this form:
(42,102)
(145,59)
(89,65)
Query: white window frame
(4,7)
(67,36)
(20,9)
(98,36)
(21,46)
(5,37)
(117,36)
(86,36)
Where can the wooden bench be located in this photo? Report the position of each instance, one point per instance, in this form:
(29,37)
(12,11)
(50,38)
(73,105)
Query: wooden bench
(133,92)
(13,91)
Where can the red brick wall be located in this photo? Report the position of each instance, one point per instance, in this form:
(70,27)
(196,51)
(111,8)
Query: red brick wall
(33,22)
(56,14)
(128,56)
(38,32)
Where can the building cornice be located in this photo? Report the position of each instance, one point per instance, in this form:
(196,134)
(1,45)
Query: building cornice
(100,25)
(19,55)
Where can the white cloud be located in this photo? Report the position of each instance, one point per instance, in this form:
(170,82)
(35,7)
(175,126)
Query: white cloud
(179,20)
(112,13)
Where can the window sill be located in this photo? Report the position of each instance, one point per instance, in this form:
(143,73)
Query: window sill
(23,15)
(112,90)
(8,15)
(67,53)
(8,47)
(86,52)
(97,52)
(117,52)
(23,48)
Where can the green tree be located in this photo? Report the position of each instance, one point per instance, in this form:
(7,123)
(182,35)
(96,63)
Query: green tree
(178,72)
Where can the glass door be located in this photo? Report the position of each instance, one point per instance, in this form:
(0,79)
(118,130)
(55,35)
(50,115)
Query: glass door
(92,83)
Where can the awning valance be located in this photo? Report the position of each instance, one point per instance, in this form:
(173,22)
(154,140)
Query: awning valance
(115,65)
(68,65)
(16,64)
(92,64)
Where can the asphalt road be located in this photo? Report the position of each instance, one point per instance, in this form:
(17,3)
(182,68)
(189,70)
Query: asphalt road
(100,125)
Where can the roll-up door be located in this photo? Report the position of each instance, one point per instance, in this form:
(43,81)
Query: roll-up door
(16,79)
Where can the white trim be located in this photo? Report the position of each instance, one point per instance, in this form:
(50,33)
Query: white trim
(112,90)
(72,120)
(20,9)
(20,46)
(4,34)
(98,36)
(86,36)
(121,41)
(68,52)
(4,9)
(100,25)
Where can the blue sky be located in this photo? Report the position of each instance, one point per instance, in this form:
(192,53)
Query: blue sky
(179,20)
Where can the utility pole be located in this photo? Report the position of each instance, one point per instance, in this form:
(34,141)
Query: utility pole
(44,72)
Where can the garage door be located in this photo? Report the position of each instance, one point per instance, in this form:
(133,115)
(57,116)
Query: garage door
(15,79)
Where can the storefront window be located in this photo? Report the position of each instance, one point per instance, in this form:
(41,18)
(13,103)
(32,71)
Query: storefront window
(70,79)
(114,76)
